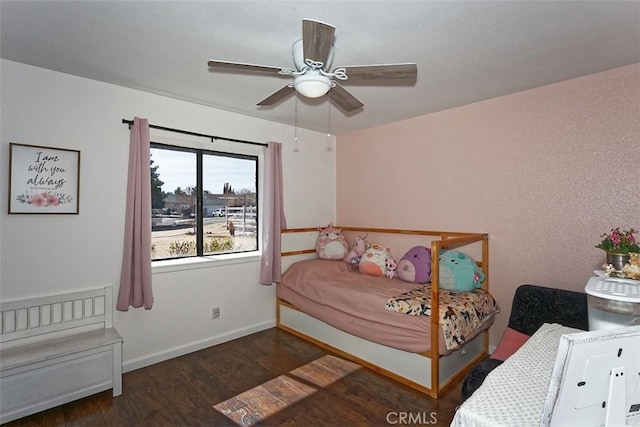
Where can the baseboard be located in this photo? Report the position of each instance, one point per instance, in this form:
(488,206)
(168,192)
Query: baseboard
(161,356)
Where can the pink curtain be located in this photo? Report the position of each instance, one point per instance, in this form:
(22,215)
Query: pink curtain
(273,215)
(135,278)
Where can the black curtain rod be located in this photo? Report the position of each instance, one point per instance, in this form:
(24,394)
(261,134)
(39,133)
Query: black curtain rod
(186,132)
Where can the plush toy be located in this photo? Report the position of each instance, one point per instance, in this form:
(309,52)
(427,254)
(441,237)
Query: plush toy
(358,248)
(415,265)
(331,243)
(374,260)
(458,272)
(632,268)
(392,266)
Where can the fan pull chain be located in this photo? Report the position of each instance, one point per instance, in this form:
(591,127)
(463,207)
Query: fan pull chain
(329,116)
(295,126)
(329,123)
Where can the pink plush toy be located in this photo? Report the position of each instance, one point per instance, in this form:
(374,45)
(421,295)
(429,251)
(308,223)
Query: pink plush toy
(359,246)
(392,266)
(331,243)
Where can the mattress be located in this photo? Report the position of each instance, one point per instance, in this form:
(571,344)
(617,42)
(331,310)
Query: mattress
(343,297)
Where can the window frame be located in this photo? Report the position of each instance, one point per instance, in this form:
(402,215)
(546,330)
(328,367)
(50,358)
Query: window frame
(200,259)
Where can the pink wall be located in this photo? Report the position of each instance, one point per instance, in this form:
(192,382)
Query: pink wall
(544,172)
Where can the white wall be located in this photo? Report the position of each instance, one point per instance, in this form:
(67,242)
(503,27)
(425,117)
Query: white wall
(43,254)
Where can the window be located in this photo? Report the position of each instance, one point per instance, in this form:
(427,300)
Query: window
(203,202)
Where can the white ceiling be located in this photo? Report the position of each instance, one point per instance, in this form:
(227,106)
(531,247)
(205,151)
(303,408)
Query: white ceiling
(466,51)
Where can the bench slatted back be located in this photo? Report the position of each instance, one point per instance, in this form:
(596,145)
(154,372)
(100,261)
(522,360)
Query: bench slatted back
(62,313)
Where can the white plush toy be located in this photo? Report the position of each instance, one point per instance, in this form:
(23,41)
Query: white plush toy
(392,266)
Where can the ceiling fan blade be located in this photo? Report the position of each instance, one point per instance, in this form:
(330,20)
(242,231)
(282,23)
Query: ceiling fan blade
(240,66)
(278,96)
(344,99)
(382,71)
(317,39)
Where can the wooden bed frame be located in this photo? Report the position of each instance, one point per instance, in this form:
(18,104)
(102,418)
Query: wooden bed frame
(429,372)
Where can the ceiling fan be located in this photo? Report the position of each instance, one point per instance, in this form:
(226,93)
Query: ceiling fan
(312,57)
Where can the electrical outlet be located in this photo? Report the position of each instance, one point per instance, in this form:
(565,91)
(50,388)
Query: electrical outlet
(215,312)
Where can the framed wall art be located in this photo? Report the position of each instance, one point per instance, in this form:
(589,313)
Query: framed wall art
(43,180)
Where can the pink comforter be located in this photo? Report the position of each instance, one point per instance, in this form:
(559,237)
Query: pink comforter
(338,294)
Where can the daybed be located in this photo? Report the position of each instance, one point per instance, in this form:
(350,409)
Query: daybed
(333,305)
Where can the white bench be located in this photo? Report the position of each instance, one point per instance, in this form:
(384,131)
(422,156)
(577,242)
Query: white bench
(56,349)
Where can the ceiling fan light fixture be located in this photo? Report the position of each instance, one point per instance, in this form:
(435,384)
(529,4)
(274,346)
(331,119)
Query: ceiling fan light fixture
(312,85)
(314,76)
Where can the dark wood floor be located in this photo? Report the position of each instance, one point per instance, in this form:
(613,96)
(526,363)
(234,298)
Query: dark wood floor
(182,392)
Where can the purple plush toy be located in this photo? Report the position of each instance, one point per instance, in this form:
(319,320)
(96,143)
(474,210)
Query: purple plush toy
(415,265)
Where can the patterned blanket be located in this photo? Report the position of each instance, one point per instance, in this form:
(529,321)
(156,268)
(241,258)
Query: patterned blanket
(460,312)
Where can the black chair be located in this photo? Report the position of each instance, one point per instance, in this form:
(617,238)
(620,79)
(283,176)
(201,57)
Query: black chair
(532,307)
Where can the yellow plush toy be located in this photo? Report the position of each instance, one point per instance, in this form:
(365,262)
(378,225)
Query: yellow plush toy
(632,269)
